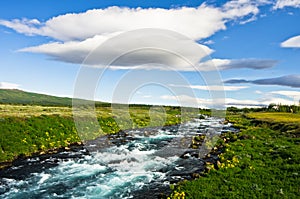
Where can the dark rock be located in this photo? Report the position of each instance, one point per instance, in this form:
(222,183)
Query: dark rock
(22,167)
(201,117)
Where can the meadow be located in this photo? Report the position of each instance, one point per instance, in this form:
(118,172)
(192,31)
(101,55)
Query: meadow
(261,161)
(28,129)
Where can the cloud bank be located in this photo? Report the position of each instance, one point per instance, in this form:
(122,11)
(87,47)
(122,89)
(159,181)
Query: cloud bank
(129,50)
(209,103)
(289,94)
(150,45)
(77,34)
(288,80)
(196,23)
(211,87)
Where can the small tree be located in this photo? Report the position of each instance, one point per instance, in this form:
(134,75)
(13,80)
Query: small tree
(271,107)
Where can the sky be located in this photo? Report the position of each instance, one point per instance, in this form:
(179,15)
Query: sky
(191,53)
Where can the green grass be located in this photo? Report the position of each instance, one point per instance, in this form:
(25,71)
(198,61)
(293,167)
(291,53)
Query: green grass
(19,97)
(33,128)
(276,117)
(24,111)
(258,162)
(262,161)
(24,136)
(32,122)
(14,96)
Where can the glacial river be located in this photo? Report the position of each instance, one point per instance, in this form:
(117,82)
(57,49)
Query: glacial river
(133,164)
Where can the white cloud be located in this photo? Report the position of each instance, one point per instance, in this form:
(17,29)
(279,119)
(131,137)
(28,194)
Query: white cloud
(257,103)
(147,96)
(220,88)
(277,100)
(213,87)
(264,101)
(184,100)
(244,103)
(240,8)
(129,50)
(25,26)
(286,3)
(289,94)
(253,18)
(78,34)
(155,47)
(196,23)
(208,42)
(7,85)
(71,51)
(209,103)
(293,42)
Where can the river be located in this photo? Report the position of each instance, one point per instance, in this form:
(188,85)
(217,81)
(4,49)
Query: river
(137,163)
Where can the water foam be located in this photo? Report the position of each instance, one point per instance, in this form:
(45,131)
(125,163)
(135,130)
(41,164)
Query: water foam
(113,172)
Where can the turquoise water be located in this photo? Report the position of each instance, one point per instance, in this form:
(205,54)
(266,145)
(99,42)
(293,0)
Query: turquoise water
(116,171)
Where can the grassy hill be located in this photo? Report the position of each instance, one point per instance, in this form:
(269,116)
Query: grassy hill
(14,96)
(31,122)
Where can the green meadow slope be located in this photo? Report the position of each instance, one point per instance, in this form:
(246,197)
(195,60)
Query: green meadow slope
(14,96)
(19,97)
(261,161)
(32,122)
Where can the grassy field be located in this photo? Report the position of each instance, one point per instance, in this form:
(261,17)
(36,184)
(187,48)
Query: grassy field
(24,136)
(32,122)
(258,162)
(261,161)
(26,129)
(24,111)
(276,117)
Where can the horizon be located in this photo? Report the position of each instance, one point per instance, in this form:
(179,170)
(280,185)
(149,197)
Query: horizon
(258,106)
(251,46)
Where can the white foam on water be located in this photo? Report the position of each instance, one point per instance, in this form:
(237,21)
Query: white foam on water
(160,135)
(72,168)
(44,178)
(114,172)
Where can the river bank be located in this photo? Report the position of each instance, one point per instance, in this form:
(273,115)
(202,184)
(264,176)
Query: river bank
(30,129)
(130,163)
(261,161)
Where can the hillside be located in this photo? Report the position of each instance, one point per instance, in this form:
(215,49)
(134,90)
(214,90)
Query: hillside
(15,96)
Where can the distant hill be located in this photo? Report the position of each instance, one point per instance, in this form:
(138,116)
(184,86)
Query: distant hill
(15,96)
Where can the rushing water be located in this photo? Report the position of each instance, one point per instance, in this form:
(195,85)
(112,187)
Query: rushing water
(132,165)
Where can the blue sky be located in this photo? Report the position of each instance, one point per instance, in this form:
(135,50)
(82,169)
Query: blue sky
(253,47)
